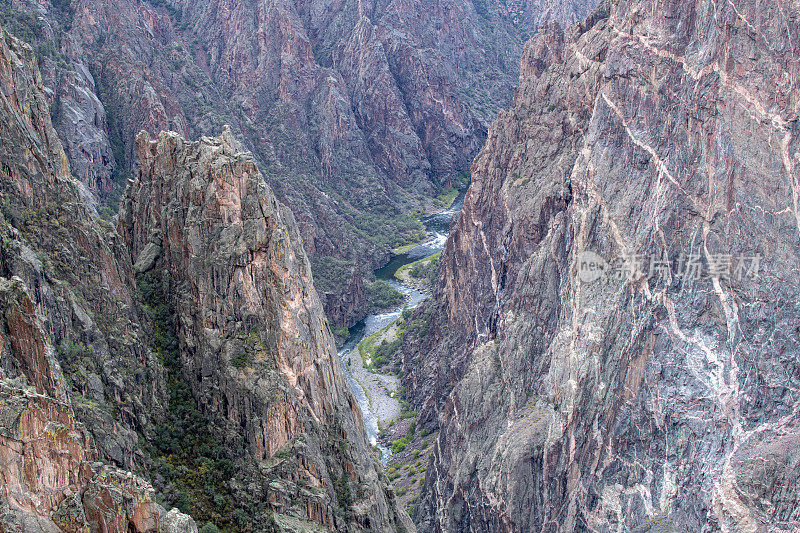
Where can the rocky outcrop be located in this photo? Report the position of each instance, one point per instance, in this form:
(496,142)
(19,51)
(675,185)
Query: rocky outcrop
(75,267)
(357,115)
(345,309)
(613,342)
(254,344)
(50,477)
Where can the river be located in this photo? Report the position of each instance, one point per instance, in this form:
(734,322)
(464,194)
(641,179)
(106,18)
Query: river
(438,226)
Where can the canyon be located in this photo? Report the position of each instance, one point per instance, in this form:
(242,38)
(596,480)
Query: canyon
(358,115)
(201,200)
(181,356)
(57,474)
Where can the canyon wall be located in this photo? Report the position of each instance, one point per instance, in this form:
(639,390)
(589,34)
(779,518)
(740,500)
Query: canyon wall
(178,355)
(358,115)
(62,287)
(254,343)
(614,339)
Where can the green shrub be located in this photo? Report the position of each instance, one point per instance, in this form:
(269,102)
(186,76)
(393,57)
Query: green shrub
(381,296)
(241,360)
(388,232)
(342,332)
(446,197)
(183,448)
(343,495)
(20,24)
(421,320)
(462,181)
(399,445)
(428,270)
(332,274)
(385,350)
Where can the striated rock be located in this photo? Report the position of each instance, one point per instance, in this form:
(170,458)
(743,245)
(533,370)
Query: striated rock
(81,388)
(81,122)
(118,501)
(76,270)
(56,272)
(43,454)
(570,400)
(49,477)
(26,343)
(255,347)
(347,308)
(84,398)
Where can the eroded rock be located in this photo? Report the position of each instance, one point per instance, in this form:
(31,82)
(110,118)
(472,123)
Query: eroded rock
(649,402)
(255,346)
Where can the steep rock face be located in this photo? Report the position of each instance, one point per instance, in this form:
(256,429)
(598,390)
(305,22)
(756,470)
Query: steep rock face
(347,308)
(83,395)
(665,399)
(75,267)
(50,478)
(255,346)
(356,113)
(58,273)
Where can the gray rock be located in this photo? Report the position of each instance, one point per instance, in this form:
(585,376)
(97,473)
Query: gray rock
(650,402)
(253,338)
(175,521)
(96,387)
(147,257)
(391,102)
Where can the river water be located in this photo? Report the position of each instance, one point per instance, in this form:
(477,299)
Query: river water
(438,226)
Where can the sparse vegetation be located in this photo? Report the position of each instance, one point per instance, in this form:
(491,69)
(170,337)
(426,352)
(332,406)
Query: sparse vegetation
(184,450)
(388,232)
(22,25)
(426,269)
(377,351)
(400,444)
(241,360)
(420,321)
(175,13)
(332,274)
(446,197)
(341,333)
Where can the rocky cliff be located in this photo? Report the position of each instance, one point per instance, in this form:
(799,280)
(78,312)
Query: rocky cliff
(253,341)
(180,357)
(70,339)
(358,114)
(613,344)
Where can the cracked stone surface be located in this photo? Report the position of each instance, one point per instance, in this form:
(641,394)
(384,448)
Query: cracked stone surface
(646,403)
(81,391)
